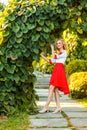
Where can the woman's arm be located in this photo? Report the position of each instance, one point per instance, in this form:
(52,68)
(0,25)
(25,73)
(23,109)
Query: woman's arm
(44,57)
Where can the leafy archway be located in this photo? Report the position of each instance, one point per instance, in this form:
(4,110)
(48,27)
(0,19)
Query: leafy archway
(27,28)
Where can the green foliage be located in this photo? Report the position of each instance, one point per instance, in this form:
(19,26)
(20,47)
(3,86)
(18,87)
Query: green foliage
(76,66)
(26,31)
(27,27)
(2,6)
(78,85)
(18,122)
(80,52)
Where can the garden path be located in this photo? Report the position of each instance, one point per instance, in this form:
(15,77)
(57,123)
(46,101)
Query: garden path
(72,117)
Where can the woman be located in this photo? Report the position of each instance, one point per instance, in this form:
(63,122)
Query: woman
(58,81)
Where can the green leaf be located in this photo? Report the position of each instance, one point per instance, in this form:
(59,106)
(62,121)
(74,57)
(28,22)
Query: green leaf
(46,29)
(61,2)
(64,25)
(46,36)
(51,26)
(19,34)
(38,29)
(35,37)
(41,22)
(18,40)
(6,33)
(30,26)
(11,17)
(12,40)
(10,69)
(1,66)
(25,30)
(16,28)
(16,78)
(35,50)
(24,19)
(23,48)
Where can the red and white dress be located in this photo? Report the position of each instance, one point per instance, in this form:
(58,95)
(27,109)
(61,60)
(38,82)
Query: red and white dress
(58,77)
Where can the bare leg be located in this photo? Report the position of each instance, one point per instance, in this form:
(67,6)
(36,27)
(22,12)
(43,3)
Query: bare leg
(50,95)
(57,98)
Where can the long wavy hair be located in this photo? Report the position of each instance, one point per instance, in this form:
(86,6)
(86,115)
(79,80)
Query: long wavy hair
(63,42)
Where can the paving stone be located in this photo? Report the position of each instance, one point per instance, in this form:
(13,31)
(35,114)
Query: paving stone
(51,129)
(82,129)
(77,114)
(79,122)
(47,115)
(49,122)
(74,109)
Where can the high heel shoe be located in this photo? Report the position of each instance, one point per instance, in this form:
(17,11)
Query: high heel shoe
(57,110)
(44,110)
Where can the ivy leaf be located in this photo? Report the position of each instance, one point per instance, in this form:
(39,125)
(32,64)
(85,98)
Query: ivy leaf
(6,33)
(11,17)
(18,40)
(16,78)
(41,22)
(19,34)
(30,26)
(10,69)
(1,66)
(35,50)
(16,28)
(35,37)
(46,29)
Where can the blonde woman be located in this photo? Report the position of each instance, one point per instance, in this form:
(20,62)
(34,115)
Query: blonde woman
(58,81)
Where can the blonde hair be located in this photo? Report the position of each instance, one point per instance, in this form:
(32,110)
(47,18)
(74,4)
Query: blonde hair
(63,42)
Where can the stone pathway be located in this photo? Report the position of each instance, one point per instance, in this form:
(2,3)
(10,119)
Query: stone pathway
(72,117)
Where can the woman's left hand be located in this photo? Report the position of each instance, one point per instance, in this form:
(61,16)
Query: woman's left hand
(52,46)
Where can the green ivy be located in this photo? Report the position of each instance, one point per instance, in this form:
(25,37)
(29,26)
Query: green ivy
(26,29)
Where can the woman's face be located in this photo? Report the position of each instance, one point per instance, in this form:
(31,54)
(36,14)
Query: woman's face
(59,44)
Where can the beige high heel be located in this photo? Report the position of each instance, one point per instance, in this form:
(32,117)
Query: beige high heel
(44,110)
(57,110)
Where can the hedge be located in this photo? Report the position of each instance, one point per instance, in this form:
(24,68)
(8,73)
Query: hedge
(76,66)
(78,85)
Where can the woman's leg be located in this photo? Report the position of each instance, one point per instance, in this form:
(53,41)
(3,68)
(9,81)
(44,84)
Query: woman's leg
(50,95)
(57,98)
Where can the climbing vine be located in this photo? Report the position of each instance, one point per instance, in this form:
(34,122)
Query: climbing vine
(26,29)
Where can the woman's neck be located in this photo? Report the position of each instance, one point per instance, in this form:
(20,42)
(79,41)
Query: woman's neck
(60,50)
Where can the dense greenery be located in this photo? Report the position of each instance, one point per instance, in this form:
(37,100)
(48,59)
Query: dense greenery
(26,29)
(78,85)
(76,66)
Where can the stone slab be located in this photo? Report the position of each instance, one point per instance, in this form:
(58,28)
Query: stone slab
(77,114)
(74,109)
(79,122)
(49,122)
(51,129)
(47,115)
(82,129)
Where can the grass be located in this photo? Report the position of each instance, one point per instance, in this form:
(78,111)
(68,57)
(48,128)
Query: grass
(19,122)
(83,102)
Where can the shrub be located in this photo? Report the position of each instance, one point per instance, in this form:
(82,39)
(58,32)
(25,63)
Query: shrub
(78,85)
(76,66)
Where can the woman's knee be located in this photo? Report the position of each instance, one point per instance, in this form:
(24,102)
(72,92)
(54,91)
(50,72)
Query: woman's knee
(56,90)
(51,88)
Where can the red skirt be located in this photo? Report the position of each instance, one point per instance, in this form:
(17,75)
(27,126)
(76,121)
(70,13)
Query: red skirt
(58,78)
